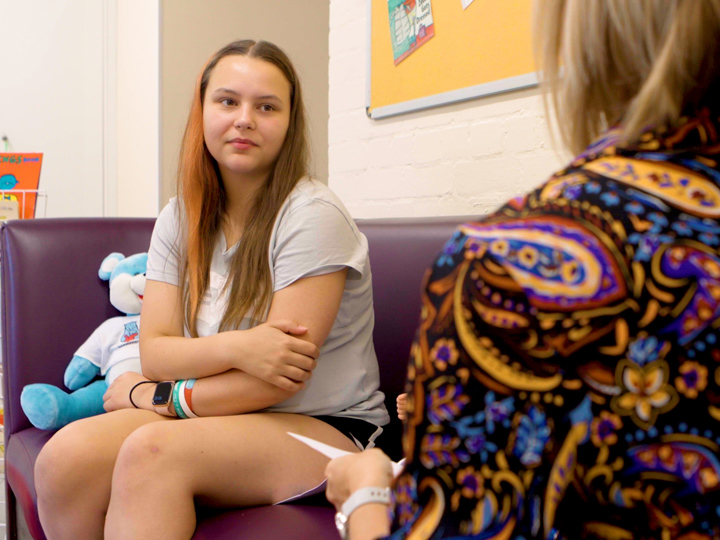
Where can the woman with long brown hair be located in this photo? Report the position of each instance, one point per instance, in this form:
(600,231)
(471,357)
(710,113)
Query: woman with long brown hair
(565,379)
(257,321)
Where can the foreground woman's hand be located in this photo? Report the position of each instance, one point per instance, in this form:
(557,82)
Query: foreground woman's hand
(117,396)
(347,474)
(271,353)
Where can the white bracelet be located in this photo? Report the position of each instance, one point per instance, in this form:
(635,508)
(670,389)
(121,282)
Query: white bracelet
(363,496)
(183,402)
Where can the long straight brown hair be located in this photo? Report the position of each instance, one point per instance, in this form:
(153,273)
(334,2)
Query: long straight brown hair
(203,204)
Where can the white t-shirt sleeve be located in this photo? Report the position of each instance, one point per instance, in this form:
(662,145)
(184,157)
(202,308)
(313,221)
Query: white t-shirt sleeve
(92,349)
(163,255)
(317,238)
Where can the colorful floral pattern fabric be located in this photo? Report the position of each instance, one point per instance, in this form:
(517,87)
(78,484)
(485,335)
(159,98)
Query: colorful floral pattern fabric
(565,378)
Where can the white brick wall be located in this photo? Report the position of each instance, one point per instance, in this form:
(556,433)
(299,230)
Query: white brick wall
(458,159)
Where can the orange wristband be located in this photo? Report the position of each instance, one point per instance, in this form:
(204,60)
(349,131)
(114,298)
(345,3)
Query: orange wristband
(188,392)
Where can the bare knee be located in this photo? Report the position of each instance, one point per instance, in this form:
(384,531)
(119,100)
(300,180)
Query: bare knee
(63,467)
(149,454)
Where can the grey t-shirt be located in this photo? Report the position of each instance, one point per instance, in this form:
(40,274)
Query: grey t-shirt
(313,235)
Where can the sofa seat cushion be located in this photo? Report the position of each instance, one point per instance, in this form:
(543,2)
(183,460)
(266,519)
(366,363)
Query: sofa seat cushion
(21,452)
(309,518)
(286,521)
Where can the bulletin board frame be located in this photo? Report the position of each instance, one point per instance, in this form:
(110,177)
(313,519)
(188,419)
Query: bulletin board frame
(483,50)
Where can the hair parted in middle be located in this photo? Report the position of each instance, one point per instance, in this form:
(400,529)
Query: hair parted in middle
(202,199)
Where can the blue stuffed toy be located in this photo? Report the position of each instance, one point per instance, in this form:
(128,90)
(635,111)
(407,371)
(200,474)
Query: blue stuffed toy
(112,349)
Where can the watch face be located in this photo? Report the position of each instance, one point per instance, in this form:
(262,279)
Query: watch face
(163,391)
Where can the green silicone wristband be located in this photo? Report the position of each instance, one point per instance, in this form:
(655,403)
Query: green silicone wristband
(176,401)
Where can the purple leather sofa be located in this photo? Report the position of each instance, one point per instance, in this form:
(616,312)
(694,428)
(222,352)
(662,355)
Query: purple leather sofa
(52,300)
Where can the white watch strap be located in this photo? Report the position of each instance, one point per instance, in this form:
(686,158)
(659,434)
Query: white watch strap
(363,496)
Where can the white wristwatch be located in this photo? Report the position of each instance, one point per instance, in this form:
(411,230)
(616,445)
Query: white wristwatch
(362,496)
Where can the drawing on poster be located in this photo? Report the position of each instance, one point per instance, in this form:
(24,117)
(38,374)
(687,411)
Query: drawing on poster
(411,25)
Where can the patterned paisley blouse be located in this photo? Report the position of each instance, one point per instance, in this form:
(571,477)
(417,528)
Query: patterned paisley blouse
(565,378)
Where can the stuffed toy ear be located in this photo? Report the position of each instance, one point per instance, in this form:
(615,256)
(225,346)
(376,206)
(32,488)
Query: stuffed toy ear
(133,265)
(109,264)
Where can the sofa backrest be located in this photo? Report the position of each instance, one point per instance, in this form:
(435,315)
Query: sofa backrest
(52,298)
(401,250)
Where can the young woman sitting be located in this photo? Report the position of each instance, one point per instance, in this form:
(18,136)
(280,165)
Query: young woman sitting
(257,320)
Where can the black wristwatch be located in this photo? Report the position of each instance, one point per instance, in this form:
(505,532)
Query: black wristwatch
(162,398)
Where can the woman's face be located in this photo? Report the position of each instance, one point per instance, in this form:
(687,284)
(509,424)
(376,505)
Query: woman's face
(246,113)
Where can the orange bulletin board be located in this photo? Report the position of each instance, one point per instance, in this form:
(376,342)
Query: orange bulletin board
(482,50)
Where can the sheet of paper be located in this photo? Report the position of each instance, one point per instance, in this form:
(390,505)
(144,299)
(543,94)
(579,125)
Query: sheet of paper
(326,449)
(332,452)
(320,488)
(9,209)
(466,3)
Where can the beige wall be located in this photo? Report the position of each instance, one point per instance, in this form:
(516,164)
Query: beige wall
(51,98)
(193,30)
(137,111)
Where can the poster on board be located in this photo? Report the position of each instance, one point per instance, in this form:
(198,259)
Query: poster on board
(411,25)
(19,178)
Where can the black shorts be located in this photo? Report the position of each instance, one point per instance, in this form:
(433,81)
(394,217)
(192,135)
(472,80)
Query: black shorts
(362,433)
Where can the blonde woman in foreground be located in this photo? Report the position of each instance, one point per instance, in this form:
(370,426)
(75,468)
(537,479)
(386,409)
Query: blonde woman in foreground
(565,380)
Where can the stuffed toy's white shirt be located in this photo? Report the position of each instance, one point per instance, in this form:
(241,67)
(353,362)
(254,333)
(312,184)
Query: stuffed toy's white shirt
(114,347)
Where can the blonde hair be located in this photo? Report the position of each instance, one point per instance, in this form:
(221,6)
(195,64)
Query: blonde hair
(203,199)
(641,64)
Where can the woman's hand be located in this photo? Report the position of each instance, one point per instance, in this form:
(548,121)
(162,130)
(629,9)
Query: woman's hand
(347,474)
(117,396)
(271,353)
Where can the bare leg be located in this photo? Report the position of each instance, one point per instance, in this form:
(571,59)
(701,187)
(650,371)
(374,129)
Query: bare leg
(224,461)
(73,472)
